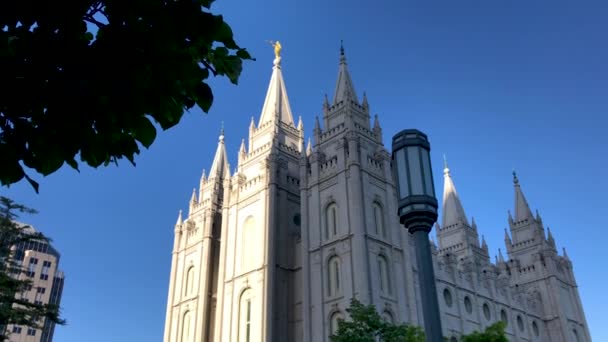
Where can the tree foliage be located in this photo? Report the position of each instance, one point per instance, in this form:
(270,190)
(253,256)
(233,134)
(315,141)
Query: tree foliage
(366,325)
(493,333)
(87,79)
(14,308)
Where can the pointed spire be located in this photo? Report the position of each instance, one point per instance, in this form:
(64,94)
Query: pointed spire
(309,148)
(325,104)
(453,212)
(564,254)
(364,103)
(276,103)
(522,209)
(179,219)
(344,86)
(220,167)
(500,257)
(473,223)
(550,238)
(508,241)
(252,124)
(242,150)
(484,245)
(376,122)
(203,176)
(300,123)
(193,198)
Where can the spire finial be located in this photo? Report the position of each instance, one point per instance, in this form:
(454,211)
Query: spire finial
(341,47)
(222,131)
(515,180)
(179,218)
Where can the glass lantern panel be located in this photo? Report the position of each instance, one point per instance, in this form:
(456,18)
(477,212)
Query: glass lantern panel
(413,163)
(428,178)
(404,189)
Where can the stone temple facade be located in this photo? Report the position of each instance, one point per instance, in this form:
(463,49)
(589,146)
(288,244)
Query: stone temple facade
(275,250)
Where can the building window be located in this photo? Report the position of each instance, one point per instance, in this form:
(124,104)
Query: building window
(16,329)
(576,338)
(31,331)
(535,329)
(379,220)
(331,221)
(503,316)
(245,314)
(388,317)
(44,273)
(334,276)
(486,311)
(334,322)
(385,279)
(186,327)
(32,267)
(468,305)
(189,281)
(520,323)
(447,297)
(41,290)
(248,245)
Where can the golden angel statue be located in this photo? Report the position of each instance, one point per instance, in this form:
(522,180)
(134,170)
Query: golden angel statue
(277,48)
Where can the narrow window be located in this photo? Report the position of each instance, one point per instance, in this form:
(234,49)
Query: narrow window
(385,280)
(245,312)
(334,322)
(379,220)
(186,327)
(331,221)
(387,316)
(189,281)
(333,276)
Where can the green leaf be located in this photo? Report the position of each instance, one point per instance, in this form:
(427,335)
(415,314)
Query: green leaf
(204,96)
(144,131)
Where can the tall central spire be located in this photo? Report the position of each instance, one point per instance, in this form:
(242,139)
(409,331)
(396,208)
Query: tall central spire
(522,209)
(453,212)
(220,167)
(276,103)
(344,86)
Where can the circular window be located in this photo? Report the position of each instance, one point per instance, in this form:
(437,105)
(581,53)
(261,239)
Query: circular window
(535,329)
(520,323)
(468,305)
(486,311)
(447,297)
(503,316)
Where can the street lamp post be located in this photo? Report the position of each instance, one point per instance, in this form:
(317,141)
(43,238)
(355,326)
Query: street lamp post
(418,212)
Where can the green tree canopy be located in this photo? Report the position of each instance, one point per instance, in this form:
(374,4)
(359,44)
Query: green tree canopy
(366,325)
(14,308)
(86,79)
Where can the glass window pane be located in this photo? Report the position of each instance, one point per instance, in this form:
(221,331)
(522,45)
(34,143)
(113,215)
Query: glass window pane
(413,161)
(428,178)
(404,189)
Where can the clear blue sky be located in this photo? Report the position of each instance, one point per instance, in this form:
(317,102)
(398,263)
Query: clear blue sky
(497,85)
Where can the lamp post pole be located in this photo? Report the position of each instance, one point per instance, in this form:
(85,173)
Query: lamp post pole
(418,212)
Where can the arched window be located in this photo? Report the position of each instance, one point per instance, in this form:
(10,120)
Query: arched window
(334,320)
(486,311)
(468,305)
(245,318)
(520,323)
(334,277)
(186,327)
(388,316)
(447,297)
(385,277)
(379,220)
(248,245)
(189,285)
(535,329)
(503,316)
(331,221)
(575,336)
